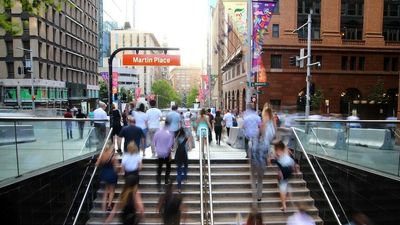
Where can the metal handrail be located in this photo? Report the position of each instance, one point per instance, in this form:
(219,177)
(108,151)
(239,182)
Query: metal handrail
(86,139)
(49,119)
(91,179)
(201,180)
(347,121)
(316,176)
(209,179)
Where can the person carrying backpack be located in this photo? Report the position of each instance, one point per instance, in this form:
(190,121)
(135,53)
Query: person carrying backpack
(170,206)
(181,158)
(130,203)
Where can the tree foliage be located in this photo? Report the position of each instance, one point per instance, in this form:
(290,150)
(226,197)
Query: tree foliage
(33,7)
(103,93)
(191,98)
(316,99)
(378,92)
(165,93)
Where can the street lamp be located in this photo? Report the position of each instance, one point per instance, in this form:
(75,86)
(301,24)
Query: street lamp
(29,67)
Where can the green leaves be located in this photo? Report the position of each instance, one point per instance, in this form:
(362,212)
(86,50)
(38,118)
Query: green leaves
(194,92)
(166,93)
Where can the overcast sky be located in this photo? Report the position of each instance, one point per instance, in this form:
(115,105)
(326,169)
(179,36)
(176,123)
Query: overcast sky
(181,23)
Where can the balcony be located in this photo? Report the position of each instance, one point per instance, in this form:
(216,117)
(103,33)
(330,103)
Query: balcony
(392,43)
(353,42)
(313,41)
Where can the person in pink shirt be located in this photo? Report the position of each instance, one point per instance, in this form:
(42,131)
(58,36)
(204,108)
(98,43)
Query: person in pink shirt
(163,142)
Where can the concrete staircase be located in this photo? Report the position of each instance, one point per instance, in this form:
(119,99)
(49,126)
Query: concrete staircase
(232,194)
(150,195)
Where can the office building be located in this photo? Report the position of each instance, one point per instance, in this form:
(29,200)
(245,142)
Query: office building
(185,78)
(64,48)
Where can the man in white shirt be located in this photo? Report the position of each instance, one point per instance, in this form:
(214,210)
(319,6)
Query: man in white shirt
(228,119)
(251,124)
(153,122)
(100,126)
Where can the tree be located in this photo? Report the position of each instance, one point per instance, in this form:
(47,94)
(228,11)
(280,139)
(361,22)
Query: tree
(103,93)
(33,7)
(378,92)
(194,92)
(165,93)
(316,99)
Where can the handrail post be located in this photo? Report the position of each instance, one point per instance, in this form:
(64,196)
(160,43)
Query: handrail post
(209,181)
(316,176)
(201,179)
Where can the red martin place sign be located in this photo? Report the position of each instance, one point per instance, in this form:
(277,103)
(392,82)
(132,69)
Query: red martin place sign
(151,60)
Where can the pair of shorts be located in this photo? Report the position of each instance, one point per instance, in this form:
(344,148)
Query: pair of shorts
(283,186)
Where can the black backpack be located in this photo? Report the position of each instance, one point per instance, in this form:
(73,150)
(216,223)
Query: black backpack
(181,154)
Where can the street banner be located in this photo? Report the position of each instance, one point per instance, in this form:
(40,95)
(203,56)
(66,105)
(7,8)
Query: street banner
(262,14)
(237,11)
(114,82)
(151,60)
(104,75)
(138,92)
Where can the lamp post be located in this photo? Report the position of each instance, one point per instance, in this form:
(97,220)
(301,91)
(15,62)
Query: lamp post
(29,66)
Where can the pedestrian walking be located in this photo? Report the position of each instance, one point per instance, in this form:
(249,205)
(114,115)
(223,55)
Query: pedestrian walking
(286,166)
(108,175)
(187,126)
(132,160)
(116,123)
(68,123)
(170,206)
(153,115)
(254,218)
(129,203)
(163,142)
(130,133)
(125,115)
(181,158)
(228,121)
(251,127)
(203,122)
(218,127)
(100,126)
(260,153)
(174,119)
(303,218)
(141,122)
(210,120)
(81,124)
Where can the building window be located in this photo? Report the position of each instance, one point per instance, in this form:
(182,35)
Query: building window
(276,61)
(276,10)
(344,62)
(361,63)
(386,64)
(275,30)
(353,61)
(395,64)
(304,7)
(238,69)
(352,19)
(391,18)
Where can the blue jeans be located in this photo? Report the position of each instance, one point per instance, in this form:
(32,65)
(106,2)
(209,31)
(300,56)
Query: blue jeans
(181,170)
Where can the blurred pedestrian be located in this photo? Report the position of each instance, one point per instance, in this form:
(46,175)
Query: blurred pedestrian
(108,175)
(187,125)
(260,153)
(255,218)
(171,206)
(228,121)
(251,126)
(116,123)
(68,123)
(174,119)
(203,122)
(125,115)
(301,217)
(163,142)
(210,120)
(181,158)
(153,115)
(218,127)
(132,160)
(131,133)
(141,122)
(286,166)
(81,124)
(100,126)
(130,203)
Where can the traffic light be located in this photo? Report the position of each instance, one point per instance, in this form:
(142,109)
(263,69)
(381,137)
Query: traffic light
(292,61)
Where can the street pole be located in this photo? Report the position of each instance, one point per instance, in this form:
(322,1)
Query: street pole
(209,54)
(308,78)
(249,51)
(31,72)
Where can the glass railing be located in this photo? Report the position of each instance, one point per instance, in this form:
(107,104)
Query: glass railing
(31,144)
(366,144)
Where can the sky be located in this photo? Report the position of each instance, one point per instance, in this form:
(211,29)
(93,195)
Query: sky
(180,23)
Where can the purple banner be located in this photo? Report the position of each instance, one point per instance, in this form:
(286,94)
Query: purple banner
(104,75)
(262,13)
